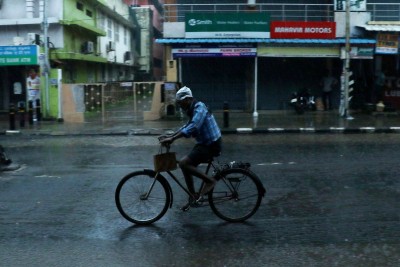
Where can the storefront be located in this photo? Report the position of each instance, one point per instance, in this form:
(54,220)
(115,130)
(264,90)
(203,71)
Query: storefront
(262,70)
(15,64)
(386,63)
(218,72)
(292,65)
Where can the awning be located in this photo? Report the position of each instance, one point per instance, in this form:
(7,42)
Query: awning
(381,27)
(264,40)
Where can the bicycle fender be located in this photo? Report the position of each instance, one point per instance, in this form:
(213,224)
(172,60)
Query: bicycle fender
(162,180)
(260,186)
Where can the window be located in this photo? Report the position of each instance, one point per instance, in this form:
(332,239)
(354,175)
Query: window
(79,6)
(101,21)
(116,32)
(109,28)
(125,36)
(89,13)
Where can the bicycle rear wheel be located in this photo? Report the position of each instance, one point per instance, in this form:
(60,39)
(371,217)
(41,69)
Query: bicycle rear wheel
(142,199)
(236,196)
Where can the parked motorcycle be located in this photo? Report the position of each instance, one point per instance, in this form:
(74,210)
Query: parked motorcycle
(302,101)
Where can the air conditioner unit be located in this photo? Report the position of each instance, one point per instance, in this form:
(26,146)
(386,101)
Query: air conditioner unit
(88,47)
(33,38)
(18,40)
(251,3)
(127,56)
(111,46)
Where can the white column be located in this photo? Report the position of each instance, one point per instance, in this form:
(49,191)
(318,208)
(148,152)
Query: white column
(255,113)
(46,52)
(60,97)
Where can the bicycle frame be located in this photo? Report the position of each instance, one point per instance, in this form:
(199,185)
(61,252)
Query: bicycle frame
(183,187)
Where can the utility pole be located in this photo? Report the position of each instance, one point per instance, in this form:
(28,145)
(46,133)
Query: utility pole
(346,67)
(255,113)
(46,55)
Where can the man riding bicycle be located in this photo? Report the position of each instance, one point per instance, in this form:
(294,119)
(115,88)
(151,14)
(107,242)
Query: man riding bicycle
(204,128)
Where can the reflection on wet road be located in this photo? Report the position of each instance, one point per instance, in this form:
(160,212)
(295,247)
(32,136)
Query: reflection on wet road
(332,200)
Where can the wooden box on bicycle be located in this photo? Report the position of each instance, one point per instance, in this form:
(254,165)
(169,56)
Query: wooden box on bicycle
(165,162)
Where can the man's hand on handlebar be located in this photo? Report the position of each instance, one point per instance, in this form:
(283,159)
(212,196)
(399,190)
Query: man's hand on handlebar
(166,140)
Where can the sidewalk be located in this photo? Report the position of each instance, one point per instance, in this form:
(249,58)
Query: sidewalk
(239,122)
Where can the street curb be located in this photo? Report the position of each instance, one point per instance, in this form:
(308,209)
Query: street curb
(244,131)
(331,130)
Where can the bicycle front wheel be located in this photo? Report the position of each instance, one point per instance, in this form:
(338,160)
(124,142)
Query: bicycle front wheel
(142,199)
(236,196)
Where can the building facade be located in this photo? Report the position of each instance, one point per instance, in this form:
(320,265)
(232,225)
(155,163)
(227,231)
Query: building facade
(259,68)
(88,41)
(149,18)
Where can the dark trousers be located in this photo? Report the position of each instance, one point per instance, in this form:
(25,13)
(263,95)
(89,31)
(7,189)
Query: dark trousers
(327,100)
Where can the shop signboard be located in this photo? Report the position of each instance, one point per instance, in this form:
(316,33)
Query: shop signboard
(387,43)
(303,30)
(392,91)
(227,25)
(18,55)
(204,50)
(355,5)
(358,52)
(299,51)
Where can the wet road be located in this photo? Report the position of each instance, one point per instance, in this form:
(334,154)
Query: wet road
(332,200)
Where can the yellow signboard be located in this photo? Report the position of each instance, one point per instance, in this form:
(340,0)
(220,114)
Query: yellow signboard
(387,43)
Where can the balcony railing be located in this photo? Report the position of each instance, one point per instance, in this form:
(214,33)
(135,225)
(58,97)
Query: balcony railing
(282,12)
(384,12)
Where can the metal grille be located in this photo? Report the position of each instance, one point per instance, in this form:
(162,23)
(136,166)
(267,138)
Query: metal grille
(126,100)
(119,102)
(286,10)
(92,97)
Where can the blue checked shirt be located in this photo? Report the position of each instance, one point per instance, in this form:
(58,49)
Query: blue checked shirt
(203,126)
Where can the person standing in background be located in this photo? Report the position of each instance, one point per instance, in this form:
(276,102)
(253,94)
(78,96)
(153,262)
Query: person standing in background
(328,83)
(33,88)
(380,78)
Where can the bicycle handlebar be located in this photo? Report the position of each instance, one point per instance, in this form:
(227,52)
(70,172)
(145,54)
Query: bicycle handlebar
(166,145)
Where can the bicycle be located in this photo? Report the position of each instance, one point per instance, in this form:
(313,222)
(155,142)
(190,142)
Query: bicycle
(143,197)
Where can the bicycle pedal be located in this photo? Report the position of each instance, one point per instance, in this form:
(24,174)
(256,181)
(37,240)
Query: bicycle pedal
(185,209)
(199,202)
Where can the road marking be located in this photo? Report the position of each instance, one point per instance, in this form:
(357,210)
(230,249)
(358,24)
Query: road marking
(308,129)
(244,130)
(368,129)
(276,163)
(46,176)
(276,129)
(336,128)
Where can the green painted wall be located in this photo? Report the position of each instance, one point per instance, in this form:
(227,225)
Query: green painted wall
(52,110)
(79,28)
(53,93)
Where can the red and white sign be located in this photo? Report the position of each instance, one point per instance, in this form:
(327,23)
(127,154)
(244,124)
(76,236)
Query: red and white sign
(303,30)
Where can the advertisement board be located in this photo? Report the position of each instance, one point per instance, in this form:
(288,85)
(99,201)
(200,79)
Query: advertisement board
(303,30)
(215,51)
(18,55)
(387,43)
(227,25)
(392,91)
(355,5)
